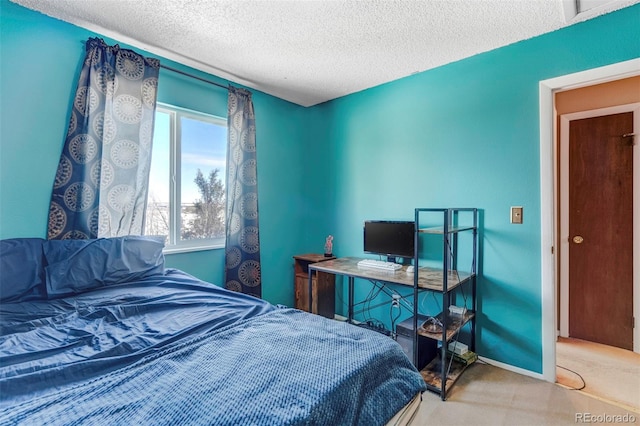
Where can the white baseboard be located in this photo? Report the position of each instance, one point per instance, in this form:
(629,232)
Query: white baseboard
(512,368)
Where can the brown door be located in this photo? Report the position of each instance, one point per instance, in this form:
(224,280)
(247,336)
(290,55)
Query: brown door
(601,230)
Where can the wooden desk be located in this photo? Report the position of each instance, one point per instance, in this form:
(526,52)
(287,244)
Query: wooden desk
(428,278)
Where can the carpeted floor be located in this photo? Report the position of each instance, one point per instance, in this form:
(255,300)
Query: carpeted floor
(609,373)
(488,395)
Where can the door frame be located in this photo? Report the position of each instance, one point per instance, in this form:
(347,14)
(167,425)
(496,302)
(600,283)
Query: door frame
(565,119)
(548,206)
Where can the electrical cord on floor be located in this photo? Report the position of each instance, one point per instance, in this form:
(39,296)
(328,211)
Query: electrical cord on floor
(584,384)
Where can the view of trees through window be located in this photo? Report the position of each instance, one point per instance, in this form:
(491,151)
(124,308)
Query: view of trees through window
(186,199)
(202,218)
(206,218)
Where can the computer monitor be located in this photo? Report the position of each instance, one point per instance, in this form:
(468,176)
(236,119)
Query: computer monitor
(389,238)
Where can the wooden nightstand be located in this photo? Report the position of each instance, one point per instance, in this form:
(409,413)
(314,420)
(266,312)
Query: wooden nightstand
(323,286)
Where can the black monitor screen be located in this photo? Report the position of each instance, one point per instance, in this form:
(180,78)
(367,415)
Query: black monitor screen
(390,238)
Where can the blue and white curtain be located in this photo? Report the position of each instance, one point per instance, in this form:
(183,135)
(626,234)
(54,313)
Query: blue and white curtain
(242,238)
(100,188)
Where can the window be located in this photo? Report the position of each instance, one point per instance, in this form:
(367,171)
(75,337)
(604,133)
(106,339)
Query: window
(186,198)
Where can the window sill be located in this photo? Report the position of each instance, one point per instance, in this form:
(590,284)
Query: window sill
(187,249)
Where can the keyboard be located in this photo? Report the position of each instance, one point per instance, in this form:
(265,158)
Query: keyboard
(379,265)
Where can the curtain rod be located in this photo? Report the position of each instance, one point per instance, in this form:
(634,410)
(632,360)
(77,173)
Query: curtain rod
(194,76)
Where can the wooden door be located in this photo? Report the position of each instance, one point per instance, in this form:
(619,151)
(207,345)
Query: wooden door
(601,230)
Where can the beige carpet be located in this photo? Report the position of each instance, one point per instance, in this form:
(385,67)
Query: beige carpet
(609,373)
(487,395)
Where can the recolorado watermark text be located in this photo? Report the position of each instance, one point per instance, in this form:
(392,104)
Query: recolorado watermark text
(605,418)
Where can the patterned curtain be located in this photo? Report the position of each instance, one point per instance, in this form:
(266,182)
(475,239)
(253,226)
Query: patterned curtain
(242,238)
(100,188)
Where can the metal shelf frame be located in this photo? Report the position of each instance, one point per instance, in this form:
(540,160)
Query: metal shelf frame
(449,229)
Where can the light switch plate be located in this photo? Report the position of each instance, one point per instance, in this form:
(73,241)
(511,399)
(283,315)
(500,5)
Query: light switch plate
(516,214)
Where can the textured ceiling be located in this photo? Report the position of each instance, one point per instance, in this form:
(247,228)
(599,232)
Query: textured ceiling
(308,51)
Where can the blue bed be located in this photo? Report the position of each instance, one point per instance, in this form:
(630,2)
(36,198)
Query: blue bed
(99,332)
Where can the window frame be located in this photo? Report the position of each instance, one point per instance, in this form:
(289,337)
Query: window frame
(175,244)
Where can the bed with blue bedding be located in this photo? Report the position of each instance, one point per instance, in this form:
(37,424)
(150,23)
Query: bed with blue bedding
(100,332)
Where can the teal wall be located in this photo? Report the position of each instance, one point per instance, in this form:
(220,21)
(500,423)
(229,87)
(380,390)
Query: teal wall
(467,135)
(39,63)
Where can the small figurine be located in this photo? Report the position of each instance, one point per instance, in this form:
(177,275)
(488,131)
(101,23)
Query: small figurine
(328,246)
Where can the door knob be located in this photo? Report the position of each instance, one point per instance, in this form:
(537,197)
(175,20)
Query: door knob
(578,239)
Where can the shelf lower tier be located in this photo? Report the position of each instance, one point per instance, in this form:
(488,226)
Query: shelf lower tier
(432,373)
(455,323)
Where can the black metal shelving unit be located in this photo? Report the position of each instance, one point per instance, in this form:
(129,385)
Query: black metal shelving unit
(443,371)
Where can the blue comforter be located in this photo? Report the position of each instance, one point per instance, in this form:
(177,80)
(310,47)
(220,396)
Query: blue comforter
(171,349)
